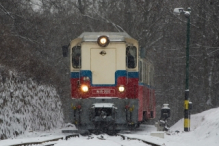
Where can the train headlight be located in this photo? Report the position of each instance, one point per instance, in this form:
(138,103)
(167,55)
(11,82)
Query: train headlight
(84,88)
(103,41)
(121,88)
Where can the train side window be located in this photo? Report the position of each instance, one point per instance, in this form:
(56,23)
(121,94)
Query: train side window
(152,76)
(145,73)
(140,71)
(131,56)
(76,57)
(149,78)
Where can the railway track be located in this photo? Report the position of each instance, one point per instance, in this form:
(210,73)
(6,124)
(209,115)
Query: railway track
(144,141)
(53,141)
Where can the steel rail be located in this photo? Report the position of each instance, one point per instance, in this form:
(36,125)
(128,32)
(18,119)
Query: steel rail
(147,142)
(50,141)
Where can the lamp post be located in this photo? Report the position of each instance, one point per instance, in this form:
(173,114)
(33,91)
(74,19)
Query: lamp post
(186,101)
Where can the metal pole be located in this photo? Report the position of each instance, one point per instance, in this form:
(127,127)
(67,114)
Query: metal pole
(186,102)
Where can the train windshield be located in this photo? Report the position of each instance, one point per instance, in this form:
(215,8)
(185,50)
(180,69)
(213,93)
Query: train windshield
(131,57)
(76,57)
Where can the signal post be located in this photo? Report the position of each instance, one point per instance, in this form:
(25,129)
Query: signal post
(187,104)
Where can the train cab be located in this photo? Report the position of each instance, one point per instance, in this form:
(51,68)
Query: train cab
(104,65)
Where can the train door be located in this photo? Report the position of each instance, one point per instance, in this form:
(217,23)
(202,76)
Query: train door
(103,66)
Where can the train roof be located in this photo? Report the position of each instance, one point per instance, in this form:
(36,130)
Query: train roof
(113,36)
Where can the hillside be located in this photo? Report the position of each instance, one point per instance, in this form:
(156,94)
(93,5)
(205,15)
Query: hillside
(26,105)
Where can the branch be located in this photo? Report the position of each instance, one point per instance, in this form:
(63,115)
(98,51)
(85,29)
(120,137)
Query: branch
(25,38)
(213,51)
(6,12)
(155,41)
(89,17)
(109,21)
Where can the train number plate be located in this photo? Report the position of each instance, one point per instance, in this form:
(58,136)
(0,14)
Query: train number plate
(103,91)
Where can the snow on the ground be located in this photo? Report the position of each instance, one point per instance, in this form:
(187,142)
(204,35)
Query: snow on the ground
(204,131)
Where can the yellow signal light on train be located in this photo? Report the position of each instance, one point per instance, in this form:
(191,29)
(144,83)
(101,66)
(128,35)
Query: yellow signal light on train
(103,41)
(84,88)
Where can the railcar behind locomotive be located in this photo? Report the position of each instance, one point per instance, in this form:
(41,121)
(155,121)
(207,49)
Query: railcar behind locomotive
(111,87)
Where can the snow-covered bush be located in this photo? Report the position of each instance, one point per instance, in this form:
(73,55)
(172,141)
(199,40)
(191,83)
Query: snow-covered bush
(26,105)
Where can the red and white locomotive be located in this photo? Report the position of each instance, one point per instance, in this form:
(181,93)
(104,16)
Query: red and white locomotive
(111,87)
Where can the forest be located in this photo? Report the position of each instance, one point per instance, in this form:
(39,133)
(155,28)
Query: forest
(32,33)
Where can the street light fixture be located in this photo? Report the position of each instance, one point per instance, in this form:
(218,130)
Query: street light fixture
(186,102)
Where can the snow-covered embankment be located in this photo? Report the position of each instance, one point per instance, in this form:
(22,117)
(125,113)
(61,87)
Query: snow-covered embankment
(26,105)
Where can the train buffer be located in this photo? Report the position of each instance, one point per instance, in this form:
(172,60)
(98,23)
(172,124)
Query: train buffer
(69,128)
